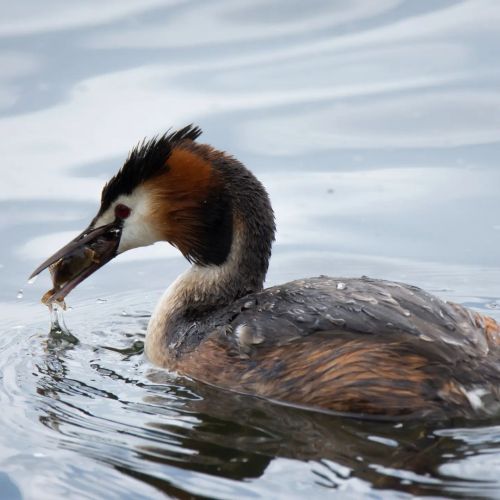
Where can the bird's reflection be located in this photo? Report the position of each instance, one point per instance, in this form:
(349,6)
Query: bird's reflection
(238,436)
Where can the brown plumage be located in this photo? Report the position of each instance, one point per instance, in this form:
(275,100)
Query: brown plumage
(354,345)
(420,358)
(179,199)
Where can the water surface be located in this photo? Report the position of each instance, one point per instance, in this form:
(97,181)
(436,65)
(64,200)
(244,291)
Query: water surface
(375,127)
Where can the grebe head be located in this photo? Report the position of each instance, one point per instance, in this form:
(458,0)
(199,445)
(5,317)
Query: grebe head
(170,188)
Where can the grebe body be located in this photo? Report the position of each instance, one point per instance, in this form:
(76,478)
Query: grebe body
(354,345)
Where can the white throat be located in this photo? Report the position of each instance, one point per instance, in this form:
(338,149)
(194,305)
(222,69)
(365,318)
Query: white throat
(202,285)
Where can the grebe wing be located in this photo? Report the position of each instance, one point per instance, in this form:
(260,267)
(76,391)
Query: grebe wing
(282,314)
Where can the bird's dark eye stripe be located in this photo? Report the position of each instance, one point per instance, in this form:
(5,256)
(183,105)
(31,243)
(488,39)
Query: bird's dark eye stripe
(122,211)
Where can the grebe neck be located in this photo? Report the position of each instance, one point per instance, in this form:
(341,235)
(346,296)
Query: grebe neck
(206,287)
(196,292)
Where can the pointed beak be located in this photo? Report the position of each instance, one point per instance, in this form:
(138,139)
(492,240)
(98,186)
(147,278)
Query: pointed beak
(80,258)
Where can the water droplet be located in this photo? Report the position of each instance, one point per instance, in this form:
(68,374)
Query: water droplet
(32,280)
(451,341)
(335,321)
(20,294)
(364,298)
(426,338)
(341,286)
(101,301)
(383,440)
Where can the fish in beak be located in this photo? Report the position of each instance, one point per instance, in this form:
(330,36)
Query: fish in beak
(80,258)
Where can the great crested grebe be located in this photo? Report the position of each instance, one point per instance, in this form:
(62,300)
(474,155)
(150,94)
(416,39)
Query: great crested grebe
(362,346)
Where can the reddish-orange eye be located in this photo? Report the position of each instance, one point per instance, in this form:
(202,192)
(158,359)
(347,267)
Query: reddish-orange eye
(122,211)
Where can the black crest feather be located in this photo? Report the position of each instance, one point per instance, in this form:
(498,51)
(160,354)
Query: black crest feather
(144,162)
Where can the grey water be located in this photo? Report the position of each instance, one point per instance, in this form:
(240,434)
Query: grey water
(375,126)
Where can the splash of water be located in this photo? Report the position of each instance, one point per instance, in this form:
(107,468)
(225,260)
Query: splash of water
(57,323)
